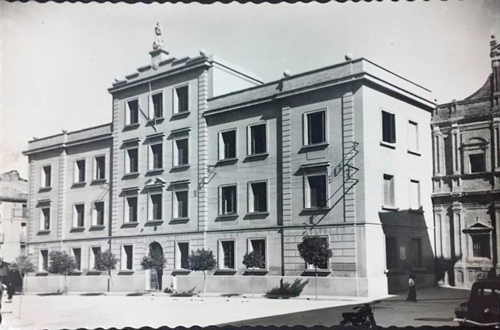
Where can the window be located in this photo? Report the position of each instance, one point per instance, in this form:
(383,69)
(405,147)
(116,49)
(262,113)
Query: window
(388,190)
(98,214)
(100,168)
(388,127)
(257,197)
(156,106)
(77,254)
(227,254)
(181,262)
(228,200)
(131,209)
(258,246)
(477,163)
(180,207)
(132,164)
(25,211)
(315,127)
(414,194)
(95,253)
(79,216)
(481,245)
(257,139)
(155,207)
(416,253)
(79,173)
(132,112)
(46,176)
(412,136)
(227,144)
(156,156)
(315,191)
(325,264)
(181,152)
(390,252)
(45,223)
(44,260)
(127,257)
(181,99)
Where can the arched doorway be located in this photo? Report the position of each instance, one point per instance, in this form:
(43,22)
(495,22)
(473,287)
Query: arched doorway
(156,254)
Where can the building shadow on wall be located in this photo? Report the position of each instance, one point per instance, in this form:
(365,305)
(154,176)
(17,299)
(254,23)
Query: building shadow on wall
(408,247)
(287,290)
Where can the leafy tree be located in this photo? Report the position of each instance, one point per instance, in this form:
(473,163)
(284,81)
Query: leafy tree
(315,251)
(106,261)
(23,265)
(61,263)
(155,260)
(202,260)
(253,260)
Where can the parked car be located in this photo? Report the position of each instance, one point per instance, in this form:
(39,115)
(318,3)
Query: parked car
(483,307)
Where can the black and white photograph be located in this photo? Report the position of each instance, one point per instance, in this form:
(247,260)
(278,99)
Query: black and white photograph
(286,164)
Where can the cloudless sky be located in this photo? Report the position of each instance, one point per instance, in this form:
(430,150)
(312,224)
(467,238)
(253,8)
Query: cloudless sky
(57,60)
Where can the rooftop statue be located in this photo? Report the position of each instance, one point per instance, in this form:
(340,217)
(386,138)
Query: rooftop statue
(158,43)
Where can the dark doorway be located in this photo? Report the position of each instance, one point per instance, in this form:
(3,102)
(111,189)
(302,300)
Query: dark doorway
(156,274)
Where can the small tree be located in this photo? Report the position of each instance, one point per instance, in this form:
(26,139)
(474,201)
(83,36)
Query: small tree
(202,260)
(23,266)
(106,261)
(155,260)
(253,260)
(61,263)
(315,251)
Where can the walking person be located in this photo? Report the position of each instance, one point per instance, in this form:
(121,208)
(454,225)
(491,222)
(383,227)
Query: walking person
(2,289)
(11,289)
(412,294)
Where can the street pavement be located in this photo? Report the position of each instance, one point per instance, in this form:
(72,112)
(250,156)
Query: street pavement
(434,307)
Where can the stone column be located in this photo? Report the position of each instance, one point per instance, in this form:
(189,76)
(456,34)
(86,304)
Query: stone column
(438,211)
(455,138)
(438,147)
(496,144)
(496,207)
(457,229)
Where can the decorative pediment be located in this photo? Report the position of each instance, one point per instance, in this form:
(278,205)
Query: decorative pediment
(478,228)
(154,183)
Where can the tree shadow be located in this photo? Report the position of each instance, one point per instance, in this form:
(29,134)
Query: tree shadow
(189,293)
(286,290)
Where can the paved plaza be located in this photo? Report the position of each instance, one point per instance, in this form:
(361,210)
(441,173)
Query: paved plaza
(435,307)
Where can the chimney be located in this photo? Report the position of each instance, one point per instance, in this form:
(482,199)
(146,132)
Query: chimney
(158,54)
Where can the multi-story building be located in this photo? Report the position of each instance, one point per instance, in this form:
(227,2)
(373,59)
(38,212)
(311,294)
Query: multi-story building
(466,182)
(202,154)
(13,216)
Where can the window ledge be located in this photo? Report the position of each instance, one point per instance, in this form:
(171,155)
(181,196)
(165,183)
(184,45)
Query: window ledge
(155,171)
(155,222)
(225,271)
(227,216)
(78,184)
(315,145)
(44,232)
(97,227)
(416,153)
(130,175)
(98,181)
(131,126)
(156,120)
(259,213)
(77,229)
(44,189)
(256,271)
(94,272)
(130,224)
(181,114)
(180,167)
(125,272)
(227,161)
(419,211)
(315,210)
(42,273)
(389,208)
(257,156)
(75,273)
(321,272)
(181,271)
(388,145)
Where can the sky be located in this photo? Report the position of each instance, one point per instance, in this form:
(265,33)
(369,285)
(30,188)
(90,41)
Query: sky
(58,60)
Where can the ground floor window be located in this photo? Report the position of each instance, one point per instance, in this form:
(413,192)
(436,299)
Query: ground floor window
(481,245)
(324,265)
(44,260)
(181,261)
(94,254)
(77,254)
(416,253)
(390,252)
(127,257)
(226,255)
(258,245)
